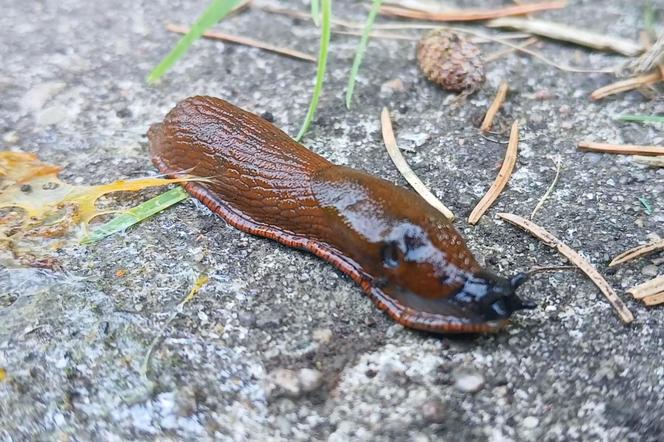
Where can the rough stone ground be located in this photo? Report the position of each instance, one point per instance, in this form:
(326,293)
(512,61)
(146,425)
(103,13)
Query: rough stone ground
(72,342)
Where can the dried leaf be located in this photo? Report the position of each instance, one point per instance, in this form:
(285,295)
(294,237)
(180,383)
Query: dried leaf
(576,259)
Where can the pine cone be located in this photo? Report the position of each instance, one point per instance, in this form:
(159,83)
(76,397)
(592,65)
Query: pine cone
(451,61)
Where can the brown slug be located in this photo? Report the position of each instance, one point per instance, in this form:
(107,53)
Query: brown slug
(404,254)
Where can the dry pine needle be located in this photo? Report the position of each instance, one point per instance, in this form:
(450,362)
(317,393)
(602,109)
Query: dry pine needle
(404,168)
(576,259)
(502,178)
(637,252)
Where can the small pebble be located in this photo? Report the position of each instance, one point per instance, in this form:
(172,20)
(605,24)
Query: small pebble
(52,115)
(322,335)
(39,95)
(123,113)
(392,86)
(531,422)
(433,411)
(468,381)
(291,383)
(310,379)
(270,320)
(10,138)
(649,270)
(283,381)
(246,319)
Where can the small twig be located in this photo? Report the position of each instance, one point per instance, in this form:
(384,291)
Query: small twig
(216,35)
(403,167)
(496,55)
(495,106)
(626,85)
(558,31)
(576,259)
(470,14)
(648,288)
(502,178)
(145,367)
(649,161)
(540,203)
(546,269)
(638,252)
(622,149)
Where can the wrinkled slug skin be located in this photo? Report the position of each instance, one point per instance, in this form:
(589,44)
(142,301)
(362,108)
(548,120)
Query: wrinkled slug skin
(405,255)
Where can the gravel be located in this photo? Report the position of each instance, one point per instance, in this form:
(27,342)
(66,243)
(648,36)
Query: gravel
(278,345)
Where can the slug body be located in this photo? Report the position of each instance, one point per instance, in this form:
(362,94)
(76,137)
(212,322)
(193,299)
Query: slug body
(404,254)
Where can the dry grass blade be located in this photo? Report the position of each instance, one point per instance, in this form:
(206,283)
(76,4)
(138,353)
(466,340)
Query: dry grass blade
(654,299)
(648,288)
(540,203)
(502,178)
(495,106)
(622,149)
(626,85)
(384,35)
(470,14)
(638,252)
(576,259)
(402,26)
(649,60)
(496,55)
(558,31)
(649,161)
(216,35)
(240,7)
(404,168)
(145,367)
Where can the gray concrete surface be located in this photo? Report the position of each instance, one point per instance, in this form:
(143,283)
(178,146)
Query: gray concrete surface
(278,345)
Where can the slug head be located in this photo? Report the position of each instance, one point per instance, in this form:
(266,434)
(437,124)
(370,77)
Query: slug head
(412,253)
(420,274)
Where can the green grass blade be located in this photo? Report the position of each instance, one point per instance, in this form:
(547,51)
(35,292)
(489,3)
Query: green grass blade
(643,118)
(646,205)
(361,49)
(322,63)
(217,10)
(649,19)
(315,12)
(137,214)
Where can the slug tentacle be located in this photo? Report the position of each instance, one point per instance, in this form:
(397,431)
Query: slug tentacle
(405,255)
